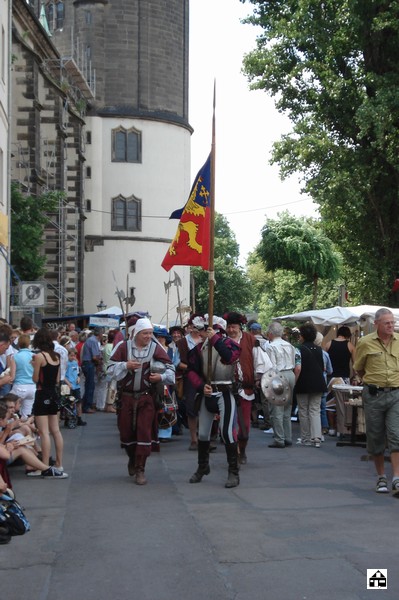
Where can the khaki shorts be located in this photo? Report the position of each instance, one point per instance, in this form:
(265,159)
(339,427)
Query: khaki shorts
(382,421)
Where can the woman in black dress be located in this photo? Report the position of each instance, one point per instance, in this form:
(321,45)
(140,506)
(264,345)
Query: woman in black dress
(46,375)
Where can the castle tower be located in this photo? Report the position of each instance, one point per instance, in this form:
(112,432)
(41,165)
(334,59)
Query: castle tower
(134,54)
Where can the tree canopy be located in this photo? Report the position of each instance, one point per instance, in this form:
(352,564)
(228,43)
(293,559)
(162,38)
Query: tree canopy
(300,246)
(232,291)
(333,68)
(28,218)
(283,291)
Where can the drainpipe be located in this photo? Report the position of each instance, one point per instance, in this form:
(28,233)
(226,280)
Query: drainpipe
(8,192)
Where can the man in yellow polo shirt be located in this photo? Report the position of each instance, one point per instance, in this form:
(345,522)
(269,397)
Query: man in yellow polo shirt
(377,363)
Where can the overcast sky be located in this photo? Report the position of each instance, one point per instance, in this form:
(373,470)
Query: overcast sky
(248,189)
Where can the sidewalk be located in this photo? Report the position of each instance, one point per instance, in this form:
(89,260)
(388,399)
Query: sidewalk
(305,523)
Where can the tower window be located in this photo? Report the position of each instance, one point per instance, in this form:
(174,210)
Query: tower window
(60,15)
(88,137)
(50,15)
(132,266)
(126,145)
(55,13)
(88,205)
(88,172)
(126,214)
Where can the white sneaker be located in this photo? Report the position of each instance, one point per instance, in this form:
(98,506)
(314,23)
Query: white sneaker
(268,430)
(34,473)
(382,485)
(299,442)
(332,432)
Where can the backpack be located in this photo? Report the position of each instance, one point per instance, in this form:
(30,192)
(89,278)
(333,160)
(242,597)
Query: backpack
(12,516)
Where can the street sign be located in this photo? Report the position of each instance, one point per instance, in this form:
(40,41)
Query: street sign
(32,294)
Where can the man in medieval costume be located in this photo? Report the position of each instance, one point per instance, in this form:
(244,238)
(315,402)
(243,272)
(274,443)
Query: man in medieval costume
(141,367)
(213,381)
(249,369)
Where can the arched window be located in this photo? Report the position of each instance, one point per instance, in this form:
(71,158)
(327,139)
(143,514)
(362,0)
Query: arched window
(60,12)
(126,214)
(50,15)
(126,145)
(55,12)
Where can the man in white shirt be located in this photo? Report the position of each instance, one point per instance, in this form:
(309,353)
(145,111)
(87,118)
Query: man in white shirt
(282,356)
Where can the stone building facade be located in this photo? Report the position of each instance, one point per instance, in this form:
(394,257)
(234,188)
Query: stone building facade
(49,99)
(137,168)
(100,112)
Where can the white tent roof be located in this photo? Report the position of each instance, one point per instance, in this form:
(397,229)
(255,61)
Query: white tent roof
(327,316)
(336,315)
(112,310)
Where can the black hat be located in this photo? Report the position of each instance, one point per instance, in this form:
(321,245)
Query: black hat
(234,318)
(176,328)
(132,318)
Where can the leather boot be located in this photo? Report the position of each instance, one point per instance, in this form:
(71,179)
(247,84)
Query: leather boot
(131,467)
(242,457)
(214,436)
(203,462)
(140,467)
(233,478)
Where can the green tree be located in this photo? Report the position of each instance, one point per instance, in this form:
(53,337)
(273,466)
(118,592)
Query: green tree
(28,218)
(232,291)
(283,292)
(300,246)
(333,67)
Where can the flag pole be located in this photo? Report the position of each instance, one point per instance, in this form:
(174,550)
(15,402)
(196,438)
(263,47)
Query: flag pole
(212,233)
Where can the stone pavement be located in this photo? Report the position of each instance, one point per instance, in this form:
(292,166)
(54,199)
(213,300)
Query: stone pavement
(305,524)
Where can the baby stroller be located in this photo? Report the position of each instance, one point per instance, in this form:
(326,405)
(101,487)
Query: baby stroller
(67,406)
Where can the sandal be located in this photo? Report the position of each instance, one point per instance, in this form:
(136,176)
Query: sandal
(382,485)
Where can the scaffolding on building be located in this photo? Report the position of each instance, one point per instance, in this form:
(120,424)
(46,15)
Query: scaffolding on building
(45,166)
(20,163)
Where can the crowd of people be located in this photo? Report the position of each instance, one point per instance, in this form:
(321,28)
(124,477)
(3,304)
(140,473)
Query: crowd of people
(217,374)
(215,371)
(38,366)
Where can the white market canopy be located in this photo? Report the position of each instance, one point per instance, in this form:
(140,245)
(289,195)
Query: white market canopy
(112,310)
(337,315)
(109,317)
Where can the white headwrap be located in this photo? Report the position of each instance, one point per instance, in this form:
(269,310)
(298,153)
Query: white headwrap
(141,324)
(217,321)
(198,322)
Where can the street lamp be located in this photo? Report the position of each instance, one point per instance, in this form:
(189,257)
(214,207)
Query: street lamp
(101,305)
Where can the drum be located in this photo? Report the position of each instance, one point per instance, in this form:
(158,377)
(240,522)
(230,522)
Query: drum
(167,414)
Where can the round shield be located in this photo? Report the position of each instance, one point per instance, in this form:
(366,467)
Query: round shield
(275,387)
